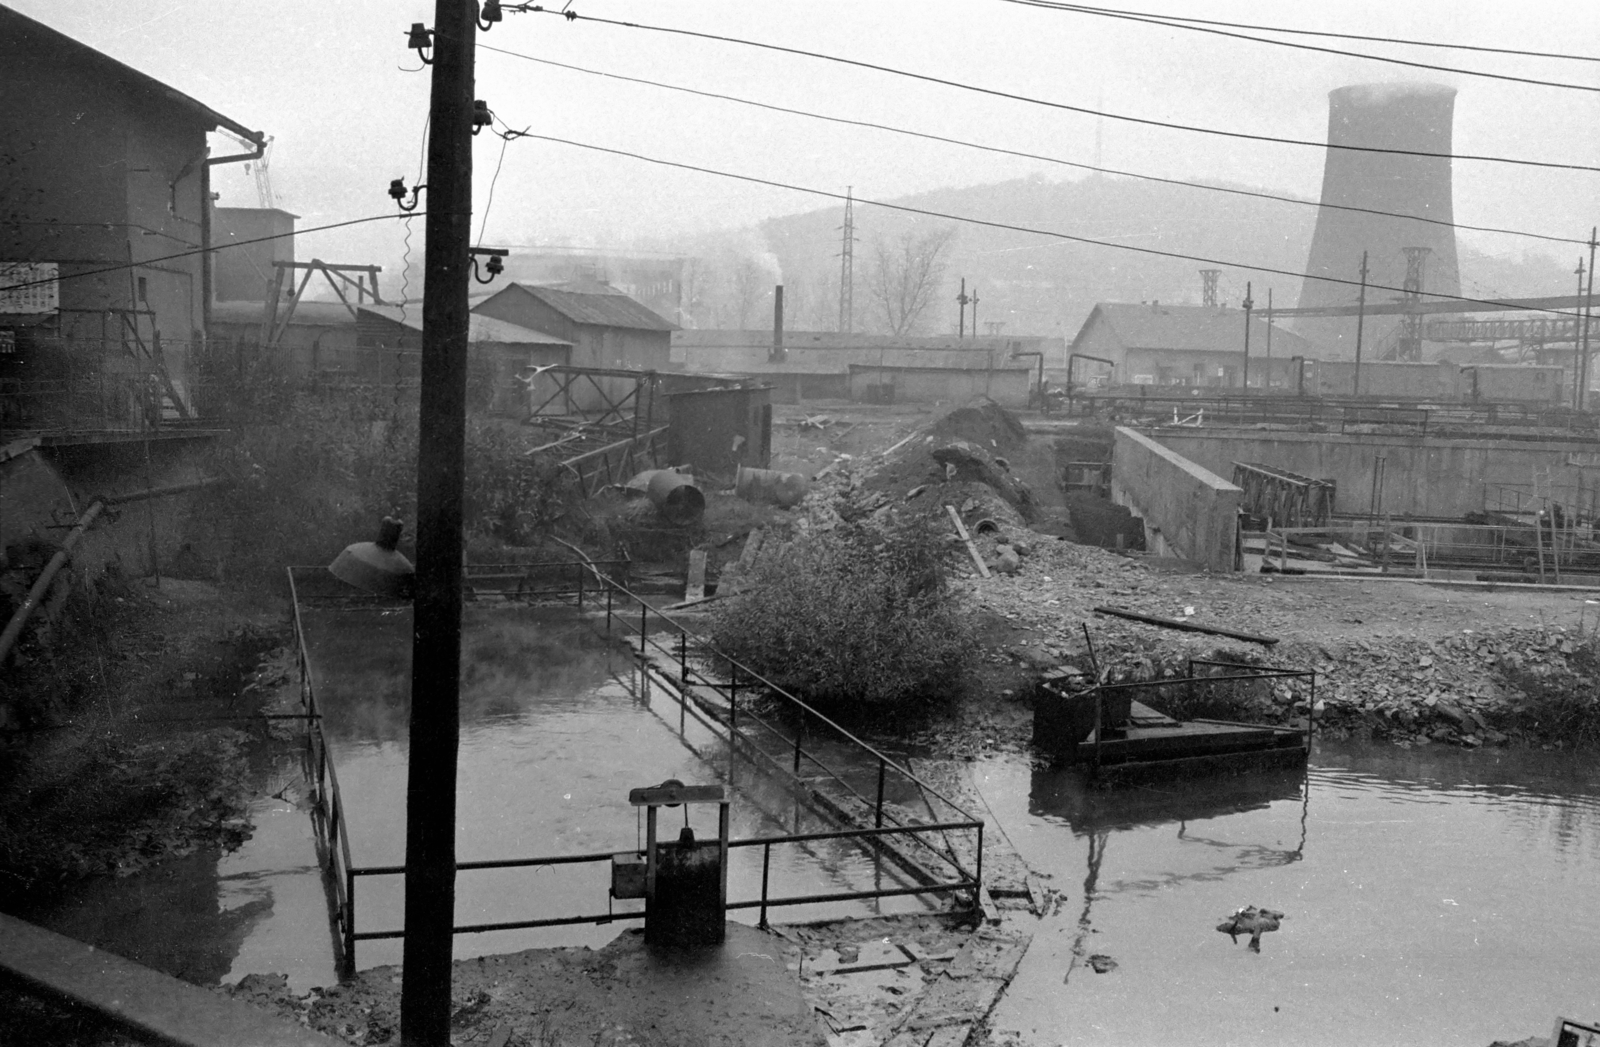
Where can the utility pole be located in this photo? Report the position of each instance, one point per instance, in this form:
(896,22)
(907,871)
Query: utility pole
(1361,316)
(1588,307)
(974,310)
(1268,382)
(1248,305)
(1577,338)
(435,728)
(962,300)
(847,265)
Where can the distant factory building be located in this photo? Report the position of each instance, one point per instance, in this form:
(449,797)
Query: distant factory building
(1195,345)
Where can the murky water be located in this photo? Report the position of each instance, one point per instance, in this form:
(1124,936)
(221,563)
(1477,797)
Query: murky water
(553,738)
(1432,896)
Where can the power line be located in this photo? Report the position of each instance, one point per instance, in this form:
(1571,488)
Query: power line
(573,16)
(123,267)
(925,212)
(1173,23)
(1351,36)
(1026,155)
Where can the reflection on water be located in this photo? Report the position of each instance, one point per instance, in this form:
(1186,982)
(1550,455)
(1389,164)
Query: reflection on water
(1433,896)
(553,736)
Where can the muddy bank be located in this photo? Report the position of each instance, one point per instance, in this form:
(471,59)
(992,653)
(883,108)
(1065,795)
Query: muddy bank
(138,746)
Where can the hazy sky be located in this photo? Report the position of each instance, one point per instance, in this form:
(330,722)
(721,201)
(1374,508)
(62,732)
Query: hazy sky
(330,81)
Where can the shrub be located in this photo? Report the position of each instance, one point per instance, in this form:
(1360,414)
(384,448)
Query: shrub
(852,616)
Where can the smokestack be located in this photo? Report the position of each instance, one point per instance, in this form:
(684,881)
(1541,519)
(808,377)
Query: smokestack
(1408,116)
(777,323)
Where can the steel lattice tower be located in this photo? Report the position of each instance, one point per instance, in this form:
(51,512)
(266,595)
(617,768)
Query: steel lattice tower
(1410,344)
(1208,286)
(847,265)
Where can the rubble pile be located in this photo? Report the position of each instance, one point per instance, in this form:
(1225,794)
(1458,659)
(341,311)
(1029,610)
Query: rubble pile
(1471,689)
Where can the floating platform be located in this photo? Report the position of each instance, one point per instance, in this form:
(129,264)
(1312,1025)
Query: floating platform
(1147,746)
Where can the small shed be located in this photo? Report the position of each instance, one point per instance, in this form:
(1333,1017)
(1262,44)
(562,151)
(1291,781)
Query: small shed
(718,430)
(501,355)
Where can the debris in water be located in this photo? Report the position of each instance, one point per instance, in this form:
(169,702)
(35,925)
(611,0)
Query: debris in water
(1252,921)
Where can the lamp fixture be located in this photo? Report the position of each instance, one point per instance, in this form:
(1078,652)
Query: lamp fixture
(481,115)
(377,567)
(490,15)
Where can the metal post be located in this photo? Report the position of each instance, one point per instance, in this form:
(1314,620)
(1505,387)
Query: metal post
(435,727)
(683,657)
(882,766)
(350,920)
(580,587)
(1248,305)
(766,862)
(1361,318)
(798,734)
(979,874)
(608,606)
(644,623)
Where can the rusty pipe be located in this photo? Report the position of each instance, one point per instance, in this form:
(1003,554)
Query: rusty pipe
(20,617)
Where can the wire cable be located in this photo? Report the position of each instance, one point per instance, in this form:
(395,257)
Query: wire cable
(1162,20)
(125,266)
(1350,36)
(1011,227)
(489,203)
(993,92)
(1026,155)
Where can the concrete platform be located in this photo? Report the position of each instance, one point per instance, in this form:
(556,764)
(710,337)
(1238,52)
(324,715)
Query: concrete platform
(147,1002)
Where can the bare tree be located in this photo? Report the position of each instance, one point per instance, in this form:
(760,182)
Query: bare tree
(905,275)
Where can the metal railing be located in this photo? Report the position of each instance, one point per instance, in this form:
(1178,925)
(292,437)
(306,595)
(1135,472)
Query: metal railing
(1234,672)
(847,804)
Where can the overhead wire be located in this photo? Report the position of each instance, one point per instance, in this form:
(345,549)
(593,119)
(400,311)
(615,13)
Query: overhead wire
(125,266)
(993,92)
(1162,20)
(1402,41)
(1008,226)
(1021,154)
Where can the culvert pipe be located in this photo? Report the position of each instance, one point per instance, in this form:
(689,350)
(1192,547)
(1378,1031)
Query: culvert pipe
(676,496)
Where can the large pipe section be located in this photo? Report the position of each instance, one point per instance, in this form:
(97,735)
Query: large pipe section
(1402,116)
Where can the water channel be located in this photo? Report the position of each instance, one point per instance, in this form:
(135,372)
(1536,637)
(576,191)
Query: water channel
(1433,896)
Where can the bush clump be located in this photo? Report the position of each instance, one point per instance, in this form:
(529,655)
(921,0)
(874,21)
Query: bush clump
(854,616)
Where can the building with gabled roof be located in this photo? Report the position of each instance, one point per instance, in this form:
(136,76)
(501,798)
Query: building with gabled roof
(606,327)
(108,191)
(1199,345)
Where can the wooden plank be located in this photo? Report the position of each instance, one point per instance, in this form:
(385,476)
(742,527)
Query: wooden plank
(696,589)
(1188,627)
(961,529)
(138,998)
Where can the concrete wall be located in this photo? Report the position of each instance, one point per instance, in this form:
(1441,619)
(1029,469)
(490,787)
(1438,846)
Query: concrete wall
(944,384)
(1188,511)
(1423,475)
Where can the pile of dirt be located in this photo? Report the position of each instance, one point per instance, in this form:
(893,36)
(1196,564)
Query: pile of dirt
(968,446)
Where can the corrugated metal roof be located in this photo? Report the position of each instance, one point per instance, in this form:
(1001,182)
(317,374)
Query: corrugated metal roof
(479,328)
(1191,328)
(19,32)
(610,309)
(306,314)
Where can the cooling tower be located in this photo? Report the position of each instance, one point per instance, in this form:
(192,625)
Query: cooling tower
(1414,117)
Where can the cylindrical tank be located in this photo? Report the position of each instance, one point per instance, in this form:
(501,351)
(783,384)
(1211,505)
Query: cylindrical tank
(1407,116)
(768,485)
